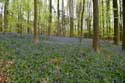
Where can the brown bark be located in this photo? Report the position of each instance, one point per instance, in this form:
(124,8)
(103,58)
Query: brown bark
(36,34)
(50,17)
(116,27)
(1,28)
(63,19)
(58,19)
(28,19)
(81,27)
(95,26)
(71,14)
(6,15)
(123,37)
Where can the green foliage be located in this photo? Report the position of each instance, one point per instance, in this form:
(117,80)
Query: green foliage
(60,62)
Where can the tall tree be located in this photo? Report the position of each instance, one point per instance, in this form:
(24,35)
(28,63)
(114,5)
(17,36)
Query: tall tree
(50,17)
(116,27)
(78,10)
(6,11)
(89,18)
(103,17)
(95,26)
(123,37)
(36,34)
(81,26)
(1,28)
(71,16)
(63,19)
(20,16)
(28,17)
(58,18)
(108,18)
(120,19)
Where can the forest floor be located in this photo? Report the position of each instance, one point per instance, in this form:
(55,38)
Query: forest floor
(59,60)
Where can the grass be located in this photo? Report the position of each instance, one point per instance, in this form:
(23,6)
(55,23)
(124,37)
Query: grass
(56,62)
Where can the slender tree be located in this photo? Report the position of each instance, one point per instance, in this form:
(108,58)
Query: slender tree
(95,26)
(81,26)
(36,34)
(71,16)
(78,10)
(58,18)
(28,17)
(6,3)
(108,18)
(20,16)
(116,27)
(103,17)
(50,17)
(89,19)
(123,37)
(1,19)
(63,19)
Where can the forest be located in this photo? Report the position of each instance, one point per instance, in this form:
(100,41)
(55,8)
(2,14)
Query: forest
(62,41)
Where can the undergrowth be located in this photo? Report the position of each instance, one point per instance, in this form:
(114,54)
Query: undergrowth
(51,62)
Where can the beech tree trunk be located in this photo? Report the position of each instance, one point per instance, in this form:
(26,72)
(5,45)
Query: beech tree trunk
(116,27)
(71,17)
(1,21)
(63,19)
(81,27)
(6,15)
(123,37)
(95,26)
(50,17)
(36,34)
(58,18)
(28,19)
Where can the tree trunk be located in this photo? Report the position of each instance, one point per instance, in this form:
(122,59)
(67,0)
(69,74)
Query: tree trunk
(108,18)
(81,27)
(58,18)
(123,37)
(78,10)
(71,15)
(95,26)
(20,28)
(28,19)
(1,21)
(103,19)
(116,27)
(89,19)
(36,34)
(6,15)
(120,16)
(63,19)
(50,17)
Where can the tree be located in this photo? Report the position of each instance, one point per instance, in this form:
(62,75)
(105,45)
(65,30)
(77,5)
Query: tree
(116,27)
(71,16)
(6,11)
(58,18)
(63,19)
(123,37)
(20,16)
(89,19)
(95,26)
(108,22)
(50,17)
(1,28)
(81,26)
(28,17)
(36,34)
(78,10)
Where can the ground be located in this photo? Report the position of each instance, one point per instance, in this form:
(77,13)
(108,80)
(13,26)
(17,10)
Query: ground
(59,60)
